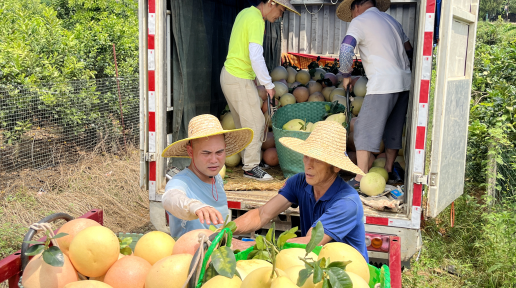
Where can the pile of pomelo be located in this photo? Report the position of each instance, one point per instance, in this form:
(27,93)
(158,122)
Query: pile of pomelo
(93,260)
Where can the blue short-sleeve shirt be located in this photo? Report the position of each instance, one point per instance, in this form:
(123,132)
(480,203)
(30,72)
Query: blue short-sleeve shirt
(339,210)
(195,188)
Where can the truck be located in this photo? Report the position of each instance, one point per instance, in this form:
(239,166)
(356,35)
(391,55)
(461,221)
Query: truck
(183,45)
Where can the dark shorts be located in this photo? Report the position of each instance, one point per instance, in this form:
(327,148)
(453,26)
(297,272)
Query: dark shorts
(381,117)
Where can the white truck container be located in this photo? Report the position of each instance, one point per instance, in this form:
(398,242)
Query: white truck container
(435,160)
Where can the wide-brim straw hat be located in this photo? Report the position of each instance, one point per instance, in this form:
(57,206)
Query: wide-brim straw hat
(344,9)
(326,143)
(286,4)
(207,125)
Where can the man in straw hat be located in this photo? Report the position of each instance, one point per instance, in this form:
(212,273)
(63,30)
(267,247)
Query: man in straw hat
(385,51)
(320,193)
(195,197)
(245,63)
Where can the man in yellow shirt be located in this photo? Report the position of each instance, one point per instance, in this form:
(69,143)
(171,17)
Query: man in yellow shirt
(243,64)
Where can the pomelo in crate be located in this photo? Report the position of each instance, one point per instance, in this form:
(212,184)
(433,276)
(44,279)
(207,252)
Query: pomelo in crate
(244,267)
(128,272)
(154,246)
(303,77)
(337,251)
(72,228)
(169,272)
(88,284)
(39,274)
(261,278)
(288,258)
(188,243)
(279,73)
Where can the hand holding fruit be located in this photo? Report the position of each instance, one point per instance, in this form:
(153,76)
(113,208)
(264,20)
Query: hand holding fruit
(271,93)
(210,214)
(346,82)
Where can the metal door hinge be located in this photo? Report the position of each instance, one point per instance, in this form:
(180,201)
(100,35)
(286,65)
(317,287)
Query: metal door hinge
(420,179)
(149,157)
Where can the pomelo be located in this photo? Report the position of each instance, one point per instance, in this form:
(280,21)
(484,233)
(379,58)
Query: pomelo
(358,282)
(326,91)
(101,278)
(360,88)
(381,171)
(188,243)
(357,105)
(294,125)
(309,127)
(169,272)
(220,281)
(400,160)
(287,99)
(222,172)
(291,78)
(270,157)
(88,284)
(338,91)
(314,87)
(283,81)
(269,143)
(279,73)
(352,124)
(262,92)
(319,74)
(372,184)
(233,161)
(379,162)
(94,250)
(39,274)
(129,272)
(287,258)
(72,228)
(260,278)
(154,246)
(227,122)
(303,77)
(339,118)
(293,274)
(338,251)
(283,282)
(244,267)
(316,97)
(332,78)
(280,88)
(301,94)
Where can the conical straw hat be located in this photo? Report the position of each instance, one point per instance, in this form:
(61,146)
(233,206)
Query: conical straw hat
(326,143)
(206,125)
(286,4)
(344,9)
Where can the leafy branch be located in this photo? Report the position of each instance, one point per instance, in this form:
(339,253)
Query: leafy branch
(51,255)
(124,245)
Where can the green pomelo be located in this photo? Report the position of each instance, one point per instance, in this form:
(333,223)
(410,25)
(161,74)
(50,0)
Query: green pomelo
(357,105)
(338,91)
(280,88)
(294,125)
(372,184)
(380,171)
(279,73)
(287,99)
(303,77)
(360,88)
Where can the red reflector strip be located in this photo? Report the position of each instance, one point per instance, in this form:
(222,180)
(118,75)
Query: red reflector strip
(424,91)
(417,193)
(420,137)
(152,122)
(152,6)
(151,81)
(152,171)
(150,42)
(234,205)
(428,44)
(430,6)
(377,221)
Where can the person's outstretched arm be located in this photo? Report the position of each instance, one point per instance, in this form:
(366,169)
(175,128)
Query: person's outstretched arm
(257,218)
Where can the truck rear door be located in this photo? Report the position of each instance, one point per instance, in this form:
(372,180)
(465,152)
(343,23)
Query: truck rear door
(451,103)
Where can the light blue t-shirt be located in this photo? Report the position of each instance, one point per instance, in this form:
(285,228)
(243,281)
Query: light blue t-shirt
(194,188)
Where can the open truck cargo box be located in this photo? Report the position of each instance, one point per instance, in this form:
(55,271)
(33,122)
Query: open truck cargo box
(435,154)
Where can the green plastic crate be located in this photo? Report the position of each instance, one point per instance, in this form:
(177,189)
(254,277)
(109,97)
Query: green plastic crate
(291,162)
(377,275)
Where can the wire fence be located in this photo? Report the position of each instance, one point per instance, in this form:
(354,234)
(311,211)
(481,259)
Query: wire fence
(54,123)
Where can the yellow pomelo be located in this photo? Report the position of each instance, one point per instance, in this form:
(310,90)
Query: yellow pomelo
(244,267)
(72,228)
(94,250)
(379,162)
(233,160)
(287,99)
(39,274)
(303,77)
(372,184)
(358,282)
(227,122)
(360,88)
(260,278)
(293,274)
(283,282)
(175,266)
(314,87)
(381,171)
(340,118)
(280,89)
(337,91)
(326,92)
(88,284)
(294,125)
(279,73)
(223,282)
(338,251)
(291,75)
(222,172)
(357,104)
(154,246)
(287,258)
(316,97)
